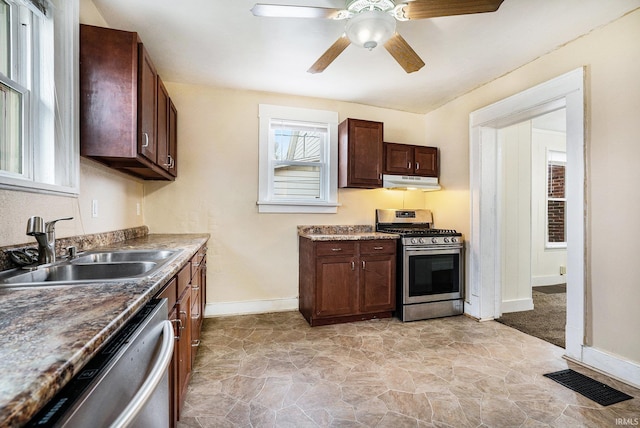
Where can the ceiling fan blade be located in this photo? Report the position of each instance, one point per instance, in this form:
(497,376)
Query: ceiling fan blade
(331,54)
(284,11)
(421,9)
(408,59)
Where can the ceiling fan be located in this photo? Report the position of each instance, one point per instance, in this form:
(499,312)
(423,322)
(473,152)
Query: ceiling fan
(373,22)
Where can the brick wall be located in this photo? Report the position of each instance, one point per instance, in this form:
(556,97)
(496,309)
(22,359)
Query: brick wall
(556,209)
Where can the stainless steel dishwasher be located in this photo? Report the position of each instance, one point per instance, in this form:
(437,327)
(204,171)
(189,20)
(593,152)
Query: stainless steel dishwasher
(126,384)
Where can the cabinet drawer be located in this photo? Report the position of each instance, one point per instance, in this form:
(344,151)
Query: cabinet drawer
(170,292)
(379,246)
(335,248)
(184,278)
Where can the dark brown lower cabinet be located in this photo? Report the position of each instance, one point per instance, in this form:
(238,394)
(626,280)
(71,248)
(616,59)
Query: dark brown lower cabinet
(342,281)
(186,299)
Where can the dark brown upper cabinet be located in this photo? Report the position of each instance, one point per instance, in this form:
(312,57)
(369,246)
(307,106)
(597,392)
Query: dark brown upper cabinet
(360,154)
(125,112)
(406,159)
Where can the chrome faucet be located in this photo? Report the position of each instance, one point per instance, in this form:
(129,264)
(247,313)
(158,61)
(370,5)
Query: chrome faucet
(45,234)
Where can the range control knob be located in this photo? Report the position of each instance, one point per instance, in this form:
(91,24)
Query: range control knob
(454,239)
(446,240)
(421,240)
(434,240)
(414,241)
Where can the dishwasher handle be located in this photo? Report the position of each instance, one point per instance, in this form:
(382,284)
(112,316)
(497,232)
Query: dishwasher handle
(153,379)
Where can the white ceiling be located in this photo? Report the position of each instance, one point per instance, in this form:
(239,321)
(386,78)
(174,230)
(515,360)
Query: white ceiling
(220,43)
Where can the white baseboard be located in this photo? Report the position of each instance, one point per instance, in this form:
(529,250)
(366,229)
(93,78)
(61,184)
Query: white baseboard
(250,307)
(517,305)
(610,365)
(537,281)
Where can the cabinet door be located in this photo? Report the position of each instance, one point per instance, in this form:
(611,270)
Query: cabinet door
(377,283)
(196,315)
(398,158)
(147,90)
(426,161)
(162,136)
(360,154)
(184,339)
(336,283)
(173,139)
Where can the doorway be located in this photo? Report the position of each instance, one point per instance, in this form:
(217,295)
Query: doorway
(485,253)
(532,221)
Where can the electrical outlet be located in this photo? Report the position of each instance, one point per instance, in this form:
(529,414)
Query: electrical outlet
(563,270)
(138,208)
(94,208)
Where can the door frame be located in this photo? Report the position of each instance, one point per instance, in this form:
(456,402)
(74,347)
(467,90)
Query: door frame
(483,276)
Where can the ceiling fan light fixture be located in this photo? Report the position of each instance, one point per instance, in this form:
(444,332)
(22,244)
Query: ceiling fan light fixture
(370,28)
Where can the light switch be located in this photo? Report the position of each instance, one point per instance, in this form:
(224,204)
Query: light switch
(94,208)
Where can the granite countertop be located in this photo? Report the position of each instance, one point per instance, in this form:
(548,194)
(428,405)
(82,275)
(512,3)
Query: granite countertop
(343,233)
(49,334)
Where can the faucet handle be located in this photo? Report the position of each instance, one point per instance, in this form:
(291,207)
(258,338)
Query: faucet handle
(50,225)
(35,226)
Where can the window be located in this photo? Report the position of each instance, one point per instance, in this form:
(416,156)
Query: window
(556,200)
(298,160)
(38,140)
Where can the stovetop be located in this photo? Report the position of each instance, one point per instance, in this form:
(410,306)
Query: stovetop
(417,231)
(415,227)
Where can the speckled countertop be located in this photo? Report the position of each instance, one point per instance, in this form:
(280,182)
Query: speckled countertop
(48,334)
(342,233)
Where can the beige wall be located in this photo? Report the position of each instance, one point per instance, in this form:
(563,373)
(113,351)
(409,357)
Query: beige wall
(117,194)
(612,58)
(253,256)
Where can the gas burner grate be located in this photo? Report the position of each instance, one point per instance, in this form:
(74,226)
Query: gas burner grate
(414,231)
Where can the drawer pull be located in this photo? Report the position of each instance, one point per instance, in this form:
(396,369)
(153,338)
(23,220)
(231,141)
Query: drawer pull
(336,249)
(195,343)
(378,248)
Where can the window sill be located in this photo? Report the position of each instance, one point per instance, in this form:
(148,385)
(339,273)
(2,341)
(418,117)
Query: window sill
(556,246)
(36,187)
(294,207)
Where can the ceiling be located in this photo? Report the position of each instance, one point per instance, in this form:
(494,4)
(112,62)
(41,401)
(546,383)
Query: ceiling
(220,43)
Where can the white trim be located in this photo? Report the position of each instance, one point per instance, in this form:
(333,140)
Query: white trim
(250,307)
(297,207)
(611,365)
(265,204)
(517,305)
(483,273)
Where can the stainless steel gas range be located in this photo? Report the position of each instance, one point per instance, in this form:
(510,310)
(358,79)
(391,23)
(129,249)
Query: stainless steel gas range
(430,266)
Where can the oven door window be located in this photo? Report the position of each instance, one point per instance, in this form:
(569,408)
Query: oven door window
(431,274)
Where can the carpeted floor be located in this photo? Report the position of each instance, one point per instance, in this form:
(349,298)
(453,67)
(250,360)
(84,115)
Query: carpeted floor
(548,318)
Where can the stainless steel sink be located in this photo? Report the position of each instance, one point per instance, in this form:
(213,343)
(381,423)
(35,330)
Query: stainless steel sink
(123,256)
(90,268)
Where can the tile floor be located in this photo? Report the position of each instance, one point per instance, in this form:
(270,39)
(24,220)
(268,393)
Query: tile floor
(273,370)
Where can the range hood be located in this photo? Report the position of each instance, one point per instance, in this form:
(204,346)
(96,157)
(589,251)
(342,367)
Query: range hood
(410,182)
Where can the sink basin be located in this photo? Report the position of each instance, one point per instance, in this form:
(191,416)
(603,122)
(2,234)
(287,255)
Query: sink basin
(123,256)
(90,268)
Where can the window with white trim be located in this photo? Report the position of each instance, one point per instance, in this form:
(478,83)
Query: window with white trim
(556,200)
(298,160)
(38,59)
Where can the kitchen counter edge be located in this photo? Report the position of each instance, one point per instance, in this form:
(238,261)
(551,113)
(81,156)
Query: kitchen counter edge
(44,344)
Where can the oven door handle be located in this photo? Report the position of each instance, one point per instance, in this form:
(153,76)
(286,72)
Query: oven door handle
(414,251)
